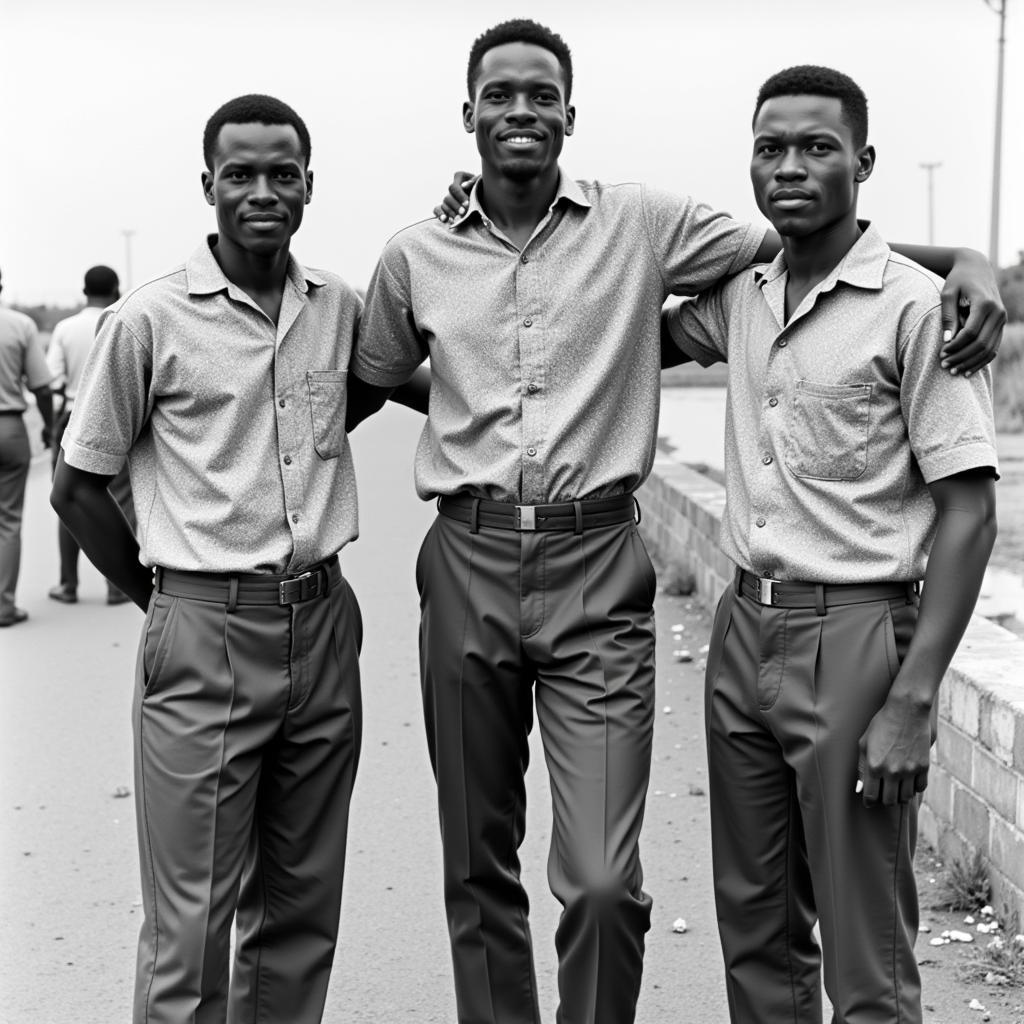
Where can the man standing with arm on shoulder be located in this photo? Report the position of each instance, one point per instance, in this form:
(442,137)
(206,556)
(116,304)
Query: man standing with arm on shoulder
(22,364)
(223,384)
(855,465)
(69,348)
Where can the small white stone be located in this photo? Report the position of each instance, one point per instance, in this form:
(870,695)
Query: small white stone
(682,655)
(976,1004)
(679,925)
(705,649)
(666,710)
(955,936)
(968,919)
(924,928)
(987,911)
(937,941)
(678,628)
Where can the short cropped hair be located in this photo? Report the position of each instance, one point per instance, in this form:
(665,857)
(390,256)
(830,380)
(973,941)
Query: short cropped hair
(519,30)
(101,280)
(254,108)
(812,80)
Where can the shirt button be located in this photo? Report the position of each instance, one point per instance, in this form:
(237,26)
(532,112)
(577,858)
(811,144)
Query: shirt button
(760,521)
(783,343)
(527,322)
(767,460)
(295,517)
(531,451)
(287,460)
(280,402)
(532,388)
(524,259)
(773,402)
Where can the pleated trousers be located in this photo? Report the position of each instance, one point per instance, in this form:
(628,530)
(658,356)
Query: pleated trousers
(788,695)
(247,726)
(566,621)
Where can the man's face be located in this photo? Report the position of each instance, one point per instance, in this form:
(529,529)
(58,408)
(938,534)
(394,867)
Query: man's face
(259,185)
(805,168)
(519,113)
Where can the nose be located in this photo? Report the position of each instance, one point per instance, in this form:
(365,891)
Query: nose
(791,166)
(521,111)
(261,192)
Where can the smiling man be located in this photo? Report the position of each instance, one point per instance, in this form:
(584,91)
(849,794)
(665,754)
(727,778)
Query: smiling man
(223,385)
(855,466)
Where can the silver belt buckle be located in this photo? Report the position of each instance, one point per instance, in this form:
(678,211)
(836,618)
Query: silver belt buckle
(764,590)
(526,518)
(290,591)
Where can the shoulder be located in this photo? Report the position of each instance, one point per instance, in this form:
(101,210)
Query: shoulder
(427,234)
(21,323)
(335,290)
(909,284)
(141,303)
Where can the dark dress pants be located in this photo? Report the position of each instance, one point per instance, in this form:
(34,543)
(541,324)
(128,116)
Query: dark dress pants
(15,460)
(247,727)
(566,620)
(789,694)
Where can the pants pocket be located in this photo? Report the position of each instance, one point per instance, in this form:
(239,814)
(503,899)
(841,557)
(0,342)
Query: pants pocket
(159,636)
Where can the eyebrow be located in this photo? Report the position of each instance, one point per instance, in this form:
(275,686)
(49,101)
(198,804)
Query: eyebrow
(508,83)
(801,133)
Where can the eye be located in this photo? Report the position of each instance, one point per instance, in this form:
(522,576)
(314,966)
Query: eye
(820,147)
(767,149)
(237,176)
(547,97)
(285,175)
(495,95)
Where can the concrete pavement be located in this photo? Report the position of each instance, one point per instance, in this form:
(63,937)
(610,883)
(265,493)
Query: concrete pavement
(69,891)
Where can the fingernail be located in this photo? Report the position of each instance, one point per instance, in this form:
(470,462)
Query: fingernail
(947,335)
(945,364)
(860,787)
(462,208)
(953,372)
(444,217)
(968,373)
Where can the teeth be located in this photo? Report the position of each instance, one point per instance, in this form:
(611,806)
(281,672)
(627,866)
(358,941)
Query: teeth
(520,140)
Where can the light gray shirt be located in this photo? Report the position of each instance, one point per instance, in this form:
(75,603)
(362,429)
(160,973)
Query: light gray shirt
(22,363)
(837,421)
(545,362)
(234,428)
(69,349)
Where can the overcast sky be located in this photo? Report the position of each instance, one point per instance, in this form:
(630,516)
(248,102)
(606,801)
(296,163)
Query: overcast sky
(104,103)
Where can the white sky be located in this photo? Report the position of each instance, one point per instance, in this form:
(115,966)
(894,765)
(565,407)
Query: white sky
(103,103)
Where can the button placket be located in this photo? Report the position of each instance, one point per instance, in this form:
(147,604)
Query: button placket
(532,369)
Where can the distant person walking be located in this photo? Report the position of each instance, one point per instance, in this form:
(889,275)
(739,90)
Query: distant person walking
(22,364)
(69,347)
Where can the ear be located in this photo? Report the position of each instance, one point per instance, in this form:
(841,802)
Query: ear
(865,164)
(467,117)
(309,186)
(570,119)
(208,187)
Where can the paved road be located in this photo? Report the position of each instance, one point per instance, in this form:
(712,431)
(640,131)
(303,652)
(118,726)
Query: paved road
(69,892)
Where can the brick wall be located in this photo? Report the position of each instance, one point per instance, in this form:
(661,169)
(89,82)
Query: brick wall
(975,797)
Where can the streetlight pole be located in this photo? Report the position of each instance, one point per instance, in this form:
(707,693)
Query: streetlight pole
(127,232)
(997,156)
(930,168)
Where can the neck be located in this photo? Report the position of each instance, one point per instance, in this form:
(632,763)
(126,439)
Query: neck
(518,204)
(811,258)
(255,273)
(100,300)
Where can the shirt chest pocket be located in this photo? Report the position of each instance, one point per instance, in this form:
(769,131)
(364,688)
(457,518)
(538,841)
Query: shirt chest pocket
(829,428)
(327,394)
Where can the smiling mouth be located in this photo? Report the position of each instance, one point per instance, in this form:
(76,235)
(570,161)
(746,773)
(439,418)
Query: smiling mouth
(790,200)
(521,140)
(265,219)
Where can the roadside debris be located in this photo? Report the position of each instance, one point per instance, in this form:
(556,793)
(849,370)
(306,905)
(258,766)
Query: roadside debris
(679,925)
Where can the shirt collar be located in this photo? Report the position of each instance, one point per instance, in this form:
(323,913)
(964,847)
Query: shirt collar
(863,266)
(567,189)
(205,277)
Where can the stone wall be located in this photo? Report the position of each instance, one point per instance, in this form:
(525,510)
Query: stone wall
(975,797)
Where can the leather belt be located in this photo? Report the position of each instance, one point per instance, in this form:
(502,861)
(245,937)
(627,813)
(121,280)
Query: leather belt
(787,594)
(249,588)
(576,516)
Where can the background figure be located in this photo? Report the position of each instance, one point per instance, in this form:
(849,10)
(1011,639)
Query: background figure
(72,339)
(22,363)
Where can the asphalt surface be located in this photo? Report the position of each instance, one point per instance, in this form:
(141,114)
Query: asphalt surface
(69,890)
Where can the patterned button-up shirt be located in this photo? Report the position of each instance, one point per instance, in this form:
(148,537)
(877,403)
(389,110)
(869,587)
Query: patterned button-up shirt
(837,420)
(545,362)
(234,428)
(22,363)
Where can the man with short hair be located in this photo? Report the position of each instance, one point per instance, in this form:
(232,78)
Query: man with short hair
(22,364)
(855,466)
(69,348)
(223,384)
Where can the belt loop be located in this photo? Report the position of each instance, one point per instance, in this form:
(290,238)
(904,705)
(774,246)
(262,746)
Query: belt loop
(639,516)
(158,578)
(911,591)
(819,598)
(232,593)
(474,517)
(739,581)
(577,508)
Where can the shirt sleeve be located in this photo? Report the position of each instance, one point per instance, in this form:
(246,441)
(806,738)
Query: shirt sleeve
(55,357)
(37,373)
(695,246)
(949,419)
(700,327)
(389,347)
(114,398)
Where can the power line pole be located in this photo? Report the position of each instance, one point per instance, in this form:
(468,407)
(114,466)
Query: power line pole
(930,168)
(997,156)
(127,232)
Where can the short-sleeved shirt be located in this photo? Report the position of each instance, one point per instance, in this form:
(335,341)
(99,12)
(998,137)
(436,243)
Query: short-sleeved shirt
(22,362)
(69,349)
(838,420)
(545,362)
(234,428)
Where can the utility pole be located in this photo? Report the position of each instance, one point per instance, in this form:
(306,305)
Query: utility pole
(127,232)
(930,168)
(997,156)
